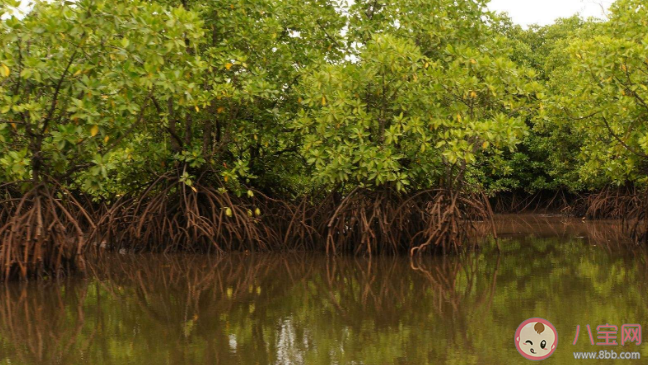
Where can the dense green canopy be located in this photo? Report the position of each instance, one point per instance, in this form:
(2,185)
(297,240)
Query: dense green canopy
(281,95)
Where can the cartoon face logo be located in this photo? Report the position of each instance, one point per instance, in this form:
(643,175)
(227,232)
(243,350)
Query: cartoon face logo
(536,339)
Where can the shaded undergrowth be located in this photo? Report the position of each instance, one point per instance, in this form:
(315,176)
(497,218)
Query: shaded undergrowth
(628,204)
(544,201)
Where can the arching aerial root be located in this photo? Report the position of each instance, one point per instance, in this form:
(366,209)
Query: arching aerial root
(42,232)
(629,204)
(429,220)
(172,216)
(559,201)
(613,203)
(291,226)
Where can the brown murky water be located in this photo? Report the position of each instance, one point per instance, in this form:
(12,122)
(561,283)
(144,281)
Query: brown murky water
(310,309)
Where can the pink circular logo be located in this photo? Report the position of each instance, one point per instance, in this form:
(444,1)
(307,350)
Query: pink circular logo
(536,339)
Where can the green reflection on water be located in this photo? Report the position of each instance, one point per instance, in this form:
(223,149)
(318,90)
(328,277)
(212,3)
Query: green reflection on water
(309,309)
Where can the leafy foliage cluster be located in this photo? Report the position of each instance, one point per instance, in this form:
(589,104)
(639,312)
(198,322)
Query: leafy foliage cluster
(105,98)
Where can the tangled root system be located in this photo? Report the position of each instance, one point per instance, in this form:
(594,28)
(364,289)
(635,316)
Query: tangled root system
(559,201)
(387,221)
(42,232)
(172,216)
(449,217)
(612,203)
(200,218)
(629,204)
(636,220)
(291,226)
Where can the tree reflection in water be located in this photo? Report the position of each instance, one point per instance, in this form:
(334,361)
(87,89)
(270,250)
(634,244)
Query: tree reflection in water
(298,308)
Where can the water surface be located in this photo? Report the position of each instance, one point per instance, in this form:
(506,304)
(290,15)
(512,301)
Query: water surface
(310,309)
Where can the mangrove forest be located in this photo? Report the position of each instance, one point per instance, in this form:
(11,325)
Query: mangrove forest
(364,128)
(318,182)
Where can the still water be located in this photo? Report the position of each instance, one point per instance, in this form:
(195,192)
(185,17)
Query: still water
(310,309)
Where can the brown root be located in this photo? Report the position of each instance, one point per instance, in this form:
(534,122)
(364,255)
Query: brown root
(172,216)
(612,203)
(559,201)
(449,218)
(430,220)
(42,232)
(636,220)
(290,226)
(627,203)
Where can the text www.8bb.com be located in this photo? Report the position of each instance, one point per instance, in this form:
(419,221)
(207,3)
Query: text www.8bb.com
(605,354)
